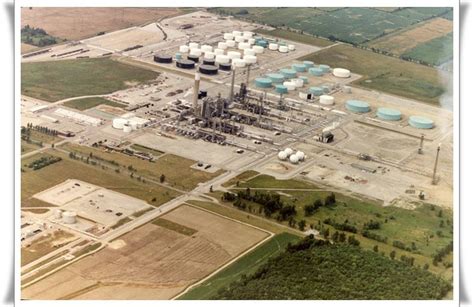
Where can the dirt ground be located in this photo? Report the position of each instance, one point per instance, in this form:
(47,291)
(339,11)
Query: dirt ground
(400,42)
(151,262)
(77,23)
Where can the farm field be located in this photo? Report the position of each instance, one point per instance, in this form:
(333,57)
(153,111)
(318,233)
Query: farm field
(384,73)
(435,52)
(156,262)
(177,170)
(34,181)
(79,23)
(57,80)
(45,245)
(247,265)
(296,37)
(87,103)
(317,270)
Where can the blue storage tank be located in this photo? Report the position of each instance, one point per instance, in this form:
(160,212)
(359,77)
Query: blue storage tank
(281,89)
(389,114)
(262,43)
(324,68)
(288,73)
(308,64)
(316,91)
(316,71)
(263,82)
(276,78)
(357,106)
(299,67)
(178,56)
(420,122)
(305,79)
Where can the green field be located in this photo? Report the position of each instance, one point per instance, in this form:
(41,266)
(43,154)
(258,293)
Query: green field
(247,265)
(57,80)
(242,177)
(317,270)
(435,52)
(87,103)
(33,182)
(296,37)
(384,73)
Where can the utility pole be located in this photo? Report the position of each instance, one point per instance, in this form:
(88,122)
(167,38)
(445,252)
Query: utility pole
(436,165)
(420,150)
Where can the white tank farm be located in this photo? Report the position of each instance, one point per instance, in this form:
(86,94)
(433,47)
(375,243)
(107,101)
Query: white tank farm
(233,54)
(288,151)
(326,100)
(249,51)
(300,155)
(69,217)
(193,46)
(236,33)
(118,123)
(258,49)
(283,49)
(250,59)
(183,49)
(209,55)
(298,82)
(238,63)
(291,86)
(282,155)
(206,48)
(291,47)
(219,51)
(341,72)
(294,159)
(221,45)
(251,41)
(243,46)
(230,43)
(273,46)
(239,39)
(228,36)
(247,34)
(195,51)
(222,59)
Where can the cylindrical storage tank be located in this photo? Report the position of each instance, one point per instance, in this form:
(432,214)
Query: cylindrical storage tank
(300,155)
(196,52)
(247,34)
(183,49)
(420,122)
(209,55)
(186,64)
(258,49)
(317,91)
(134,125)
(276,78)
(305,79)
(178,56)
(263,82)
(58,213)
(162,58)
(303,95)
(219,51)
(291,47)
(236,33)
(206,48)
(230,43)
(208,62)
(316,71)
(251,41)
(243,46)
(249,52)
(282,155)
(69,217)
(239,39)
(221,45)
(225,66)
(221,59)
(273,46)
(262,43)
(233,54)
(208,69)
(238,63)
(389,114)
(298,82)
(118,123)
(193,57)
(326,100)
(299,67)
(357,106)
(127,128)
(288,73)
(294,159)
(308,64)
(250,59)
(193,46)
(291,86)
(281,89)
(283,49)
(324,68)
(341,72)
(288,151)
(228,36)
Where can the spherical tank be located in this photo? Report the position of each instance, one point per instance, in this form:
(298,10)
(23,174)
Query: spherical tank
(282,155)
(288,151)
(294,159)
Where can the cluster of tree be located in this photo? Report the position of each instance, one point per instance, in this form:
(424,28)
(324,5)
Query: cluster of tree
(341,226)
(372,225)
(440,254)
(42,129)
(401,245)
(311,209)
(315,269)
(374,236)
(408,260)
(36,36)
(43,162)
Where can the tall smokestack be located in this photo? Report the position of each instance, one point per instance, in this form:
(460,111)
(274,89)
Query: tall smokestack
(436,164)
(231,94)
(248,75)
(420,150)
(197,79)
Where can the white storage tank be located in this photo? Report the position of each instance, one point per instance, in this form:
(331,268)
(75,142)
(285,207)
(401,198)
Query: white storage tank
(222,45)
(193,46)
(236,33)
(282,155)
(69,217)
(196,52)
(298,82)
(247,34)
(300,155)
(341,72)
(251,41)
(288,151)
(326,100)
(250,59)
(218,51)
(238,63)
(58,213)
(228,36)
(243,46)
(283,49)
(239,39)
(233,54)
(206,48)
(249,52)
(222,59)
(183,49)
(294,159)
(291,86)
(303,95)
(258,49)
(291,47)
(118,123)
(273,46)
(230,43)
(209,55)
(127,128)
